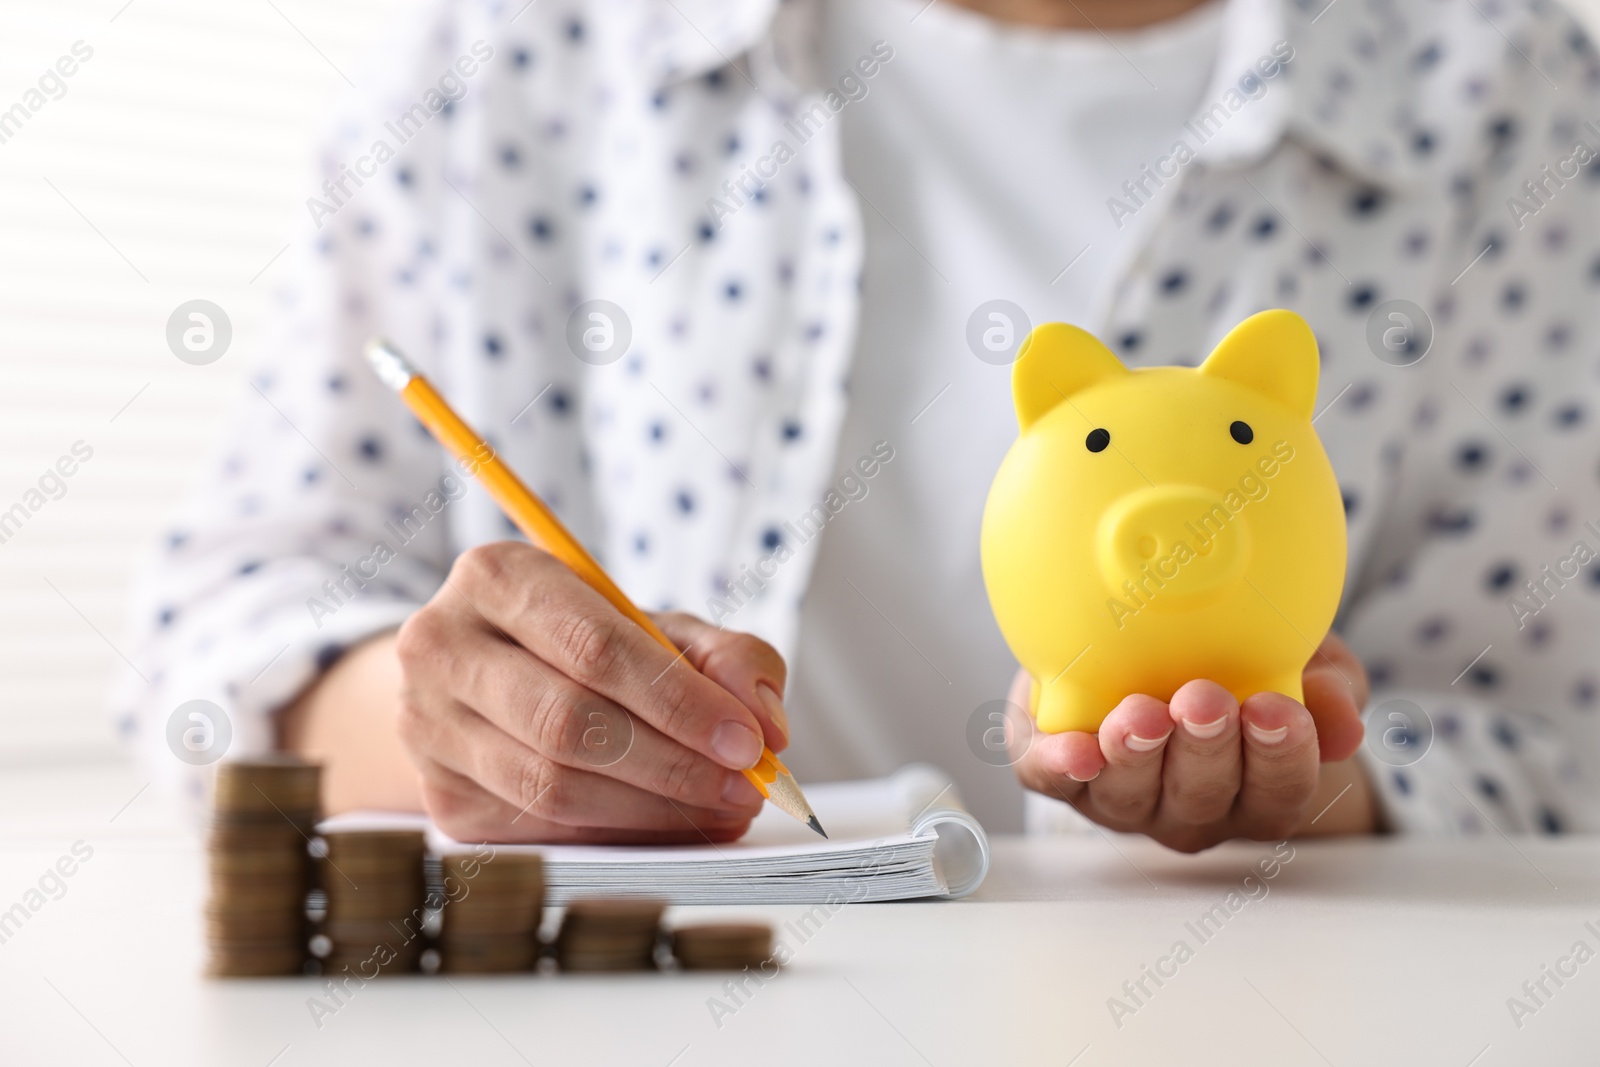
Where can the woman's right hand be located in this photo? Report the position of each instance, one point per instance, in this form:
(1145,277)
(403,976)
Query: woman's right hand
(535,711)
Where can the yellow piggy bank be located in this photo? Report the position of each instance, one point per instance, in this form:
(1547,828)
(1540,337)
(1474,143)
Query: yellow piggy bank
(1158,525)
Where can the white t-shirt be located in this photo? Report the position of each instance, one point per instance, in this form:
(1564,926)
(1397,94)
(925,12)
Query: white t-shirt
(984,155)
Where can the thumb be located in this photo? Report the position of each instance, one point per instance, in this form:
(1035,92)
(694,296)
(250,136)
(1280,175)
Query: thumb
(1331,698)
(741,663)
(1336,692)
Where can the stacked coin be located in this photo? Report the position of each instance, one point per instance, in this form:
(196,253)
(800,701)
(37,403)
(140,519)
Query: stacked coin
(490,922)
(264,812)
(722,946)
(609,935)
(376,901)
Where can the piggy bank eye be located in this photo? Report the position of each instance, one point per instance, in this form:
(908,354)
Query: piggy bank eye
(1098,440)
(1242,432)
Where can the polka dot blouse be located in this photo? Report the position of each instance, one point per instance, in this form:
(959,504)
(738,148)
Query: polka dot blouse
(506,165)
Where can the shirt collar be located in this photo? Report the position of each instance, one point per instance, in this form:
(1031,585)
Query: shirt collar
(1357,118)
(1355,87)
(1243,113)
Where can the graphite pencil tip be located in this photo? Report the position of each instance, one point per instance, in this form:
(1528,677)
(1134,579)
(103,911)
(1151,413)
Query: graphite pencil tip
(785,792)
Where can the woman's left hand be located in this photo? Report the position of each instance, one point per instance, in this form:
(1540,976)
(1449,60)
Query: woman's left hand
(1204,769)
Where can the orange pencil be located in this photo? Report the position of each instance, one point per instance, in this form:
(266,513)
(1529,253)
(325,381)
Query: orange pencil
(541,526)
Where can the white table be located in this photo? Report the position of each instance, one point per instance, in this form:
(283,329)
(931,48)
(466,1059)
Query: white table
(1361,953)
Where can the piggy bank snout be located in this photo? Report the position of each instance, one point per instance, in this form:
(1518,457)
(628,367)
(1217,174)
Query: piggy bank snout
(1175,544)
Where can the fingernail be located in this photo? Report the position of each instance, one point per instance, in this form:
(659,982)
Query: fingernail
(773,704)
(1091,778)
(1266,737)
(736,745)
(740,793)
(1205,731)
(1146,744)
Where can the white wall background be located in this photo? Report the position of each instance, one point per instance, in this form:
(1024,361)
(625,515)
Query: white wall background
(181,143)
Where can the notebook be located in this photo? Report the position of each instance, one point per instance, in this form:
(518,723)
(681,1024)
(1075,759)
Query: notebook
(902,837)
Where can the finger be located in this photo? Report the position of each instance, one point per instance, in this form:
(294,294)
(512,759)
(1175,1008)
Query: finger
(549,610)
(1335,710)
(471,746)
(1132,740)
(1200,775)
(741,663)
(1280,765)
(565,722)
(1335,655)
(1058,765)
(1335,692)
(468,812)
(1055,765)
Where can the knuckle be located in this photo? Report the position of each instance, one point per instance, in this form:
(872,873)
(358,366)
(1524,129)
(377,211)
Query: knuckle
(681,773)
(1126,759)
(1202,801)
(419,640)
(542,583)
(539,789)
(547,720)
(676,706)
(486,565)
(1289,793)
(590,643)
(1282,800)
(476,565)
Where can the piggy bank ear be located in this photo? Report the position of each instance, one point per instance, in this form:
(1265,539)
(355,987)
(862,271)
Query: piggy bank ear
(1274,353)
(1056,361)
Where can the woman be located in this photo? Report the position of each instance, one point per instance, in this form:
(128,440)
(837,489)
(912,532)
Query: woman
(695,268)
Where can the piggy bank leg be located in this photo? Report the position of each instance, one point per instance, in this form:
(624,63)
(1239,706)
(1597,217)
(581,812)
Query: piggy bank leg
(1060,706)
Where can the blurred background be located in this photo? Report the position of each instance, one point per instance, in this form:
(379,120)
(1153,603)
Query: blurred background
(170,169)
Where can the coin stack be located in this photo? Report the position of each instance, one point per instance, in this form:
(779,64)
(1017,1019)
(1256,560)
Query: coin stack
(609,935)
(492,912)
(263,816)
(376,901)
(722,946)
